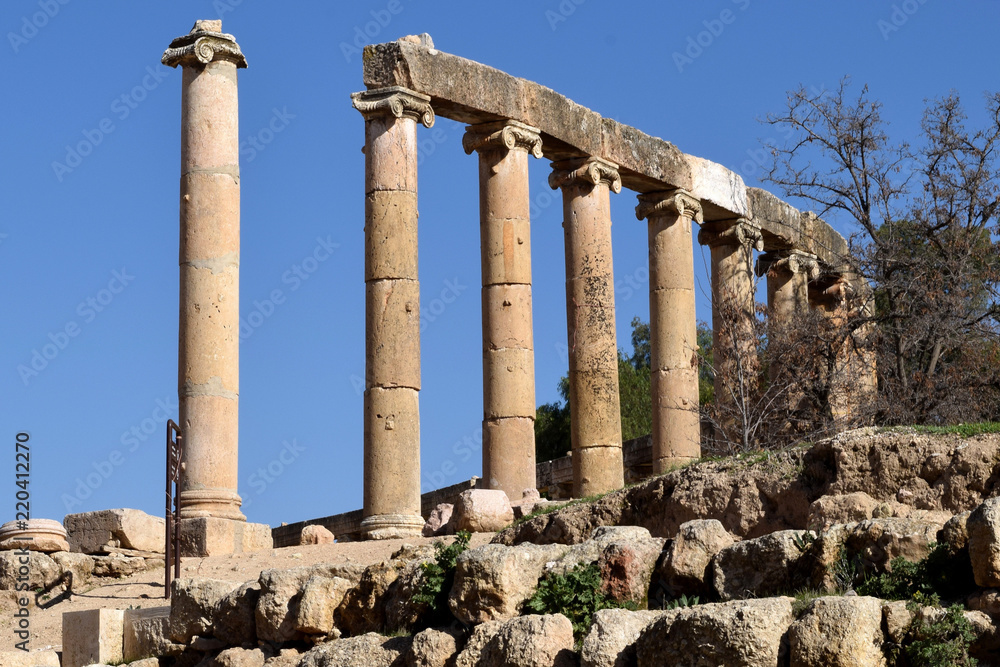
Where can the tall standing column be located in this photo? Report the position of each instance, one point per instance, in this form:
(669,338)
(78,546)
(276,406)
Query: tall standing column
(733,344)
(392,311)
(208,379)
(508,349)
(595,411)
(788,275)
(672,327)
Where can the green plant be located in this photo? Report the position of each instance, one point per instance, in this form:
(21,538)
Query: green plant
(942,643)
(845,571)
(925,581)
(682,601)
(803,541)
(576,595)
(804,598)
(439,575)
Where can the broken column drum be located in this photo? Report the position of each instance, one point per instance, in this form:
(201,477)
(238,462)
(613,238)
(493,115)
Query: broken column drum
(392,312)
(595,414)
(508,349)
(673,334)
(208,378)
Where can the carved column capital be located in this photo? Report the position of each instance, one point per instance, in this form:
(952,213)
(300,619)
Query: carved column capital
(505,135)
(585,170)
(793,261)
(395,101)
(742,232)
(675,202)
(205,43)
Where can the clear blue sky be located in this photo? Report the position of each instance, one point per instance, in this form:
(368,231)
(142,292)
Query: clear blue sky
(77,72)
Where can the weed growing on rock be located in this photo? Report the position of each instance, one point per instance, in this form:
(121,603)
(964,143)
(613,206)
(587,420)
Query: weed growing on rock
(439,575)
(925,581)
(682,601)
(576,595)
(942,643)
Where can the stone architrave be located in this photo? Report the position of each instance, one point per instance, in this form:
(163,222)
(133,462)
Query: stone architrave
(208,379)
(672,326)
(508,348)
(732,243)
(392,312)
(595,413)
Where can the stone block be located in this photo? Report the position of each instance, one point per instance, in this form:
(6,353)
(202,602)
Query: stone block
(316,534)
(29,659)
(210,536)
(35,534)
(483,511)
(92,636)
(146,634)
(91,532)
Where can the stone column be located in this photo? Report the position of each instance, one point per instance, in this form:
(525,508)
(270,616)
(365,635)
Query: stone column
(392,311)
(508,350)
(673,327)
(595,411)
(208,378)
(733,346)
(788,274)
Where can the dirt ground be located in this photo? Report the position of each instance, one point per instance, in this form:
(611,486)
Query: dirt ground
(145,590)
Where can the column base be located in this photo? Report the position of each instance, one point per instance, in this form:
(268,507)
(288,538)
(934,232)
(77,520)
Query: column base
(392,526)
(214,536)
(208,503)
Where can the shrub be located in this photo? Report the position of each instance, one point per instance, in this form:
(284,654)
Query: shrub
(439,575)
(942,643)
(926,581)
(576,595)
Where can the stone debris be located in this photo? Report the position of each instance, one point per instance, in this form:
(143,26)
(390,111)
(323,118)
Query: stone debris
(34,534)
(482,511)
(316,534)
(92,532)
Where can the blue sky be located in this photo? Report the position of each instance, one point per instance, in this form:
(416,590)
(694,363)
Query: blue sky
(88,252)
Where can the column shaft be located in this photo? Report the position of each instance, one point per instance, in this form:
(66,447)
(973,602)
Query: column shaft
(208,377)
(508,348)
(392,313)
(595,411)
(672,327)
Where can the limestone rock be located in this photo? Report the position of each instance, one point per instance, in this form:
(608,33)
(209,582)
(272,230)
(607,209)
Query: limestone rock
(896,619)
(838,631)
(370,650)
(280,595)
(120,566)
(626,568)
(762,566)
(590,551)
(238,657)
(147,634)
(287,657)
(320,598)
(91,532)
(688,557)
(984,543)
(612,636)
(956,532)
(402,612)
(29,659)
(42,569)
(493,581)
(316,534)
(433,648)
(81,566)
(439,520)
(364,606)
(879,541)
(850,507)
(193,604)
(35,534)
(483,511)
(532,641)
(472,653)
(235,621)
(742,632)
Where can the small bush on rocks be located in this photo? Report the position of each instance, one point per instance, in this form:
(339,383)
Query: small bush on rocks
(942,643)
(925,581)
(439,575)
(576,595)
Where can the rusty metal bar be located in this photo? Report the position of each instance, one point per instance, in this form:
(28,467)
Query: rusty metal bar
(172,548)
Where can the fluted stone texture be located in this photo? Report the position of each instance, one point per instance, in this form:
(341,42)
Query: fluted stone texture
(208,377)
(392,312)
(595,413)
(672,327)
(508,347)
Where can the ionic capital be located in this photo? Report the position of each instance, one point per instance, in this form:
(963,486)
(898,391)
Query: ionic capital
(742,233)
(395,101)
(673,202)
(506,135)
(792,261)
(205,43)
(587,171)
